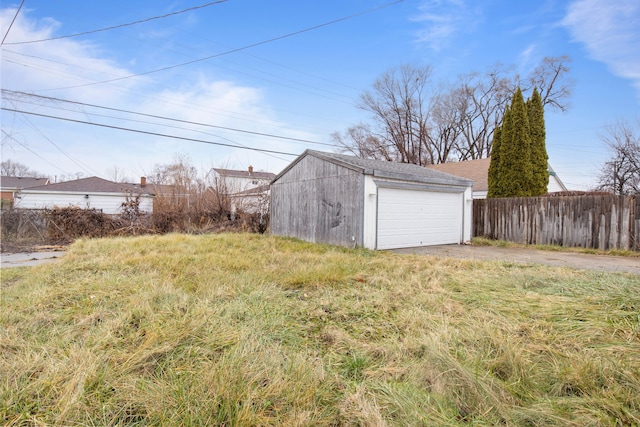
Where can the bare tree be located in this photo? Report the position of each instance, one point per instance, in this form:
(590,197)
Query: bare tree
(10,168)
(177,182)
(360,141)
(621,174)
(399,103)
(413,121)
(481,100)
(446,129)
(117,174)
(552,79)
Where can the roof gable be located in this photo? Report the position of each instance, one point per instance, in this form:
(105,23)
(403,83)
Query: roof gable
(383,169)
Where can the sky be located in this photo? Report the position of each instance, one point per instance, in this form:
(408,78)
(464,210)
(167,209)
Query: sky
(216,82)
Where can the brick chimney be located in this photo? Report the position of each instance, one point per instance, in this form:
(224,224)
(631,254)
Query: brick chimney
(250,169)
(143,181)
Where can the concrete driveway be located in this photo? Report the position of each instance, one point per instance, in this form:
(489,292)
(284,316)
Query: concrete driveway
(532,256)
(29,259)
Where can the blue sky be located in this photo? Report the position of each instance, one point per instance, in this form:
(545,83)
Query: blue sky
(304,86)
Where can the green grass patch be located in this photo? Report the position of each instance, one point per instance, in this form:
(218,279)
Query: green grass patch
(255,330)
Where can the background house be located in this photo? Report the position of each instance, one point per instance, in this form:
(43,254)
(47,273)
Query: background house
(235,181)
(253,200)
(247,190)
(350,201)
(478,171)
(86,193)
(10,185)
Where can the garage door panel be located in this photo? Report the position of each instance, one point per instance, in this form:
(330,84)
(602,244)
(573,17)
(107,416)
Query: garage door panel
(409,218)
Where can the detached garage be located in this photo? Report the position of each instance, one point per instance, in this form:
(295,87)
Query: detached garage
(349,201)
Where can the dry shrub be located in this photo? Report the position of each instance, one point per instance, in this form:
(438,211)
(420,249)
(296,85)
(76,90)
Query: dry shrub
(68,224)
(23,229)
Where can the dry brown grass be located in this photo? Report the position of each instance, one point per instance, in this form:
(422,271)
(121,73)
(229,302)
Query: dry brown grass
(257,330)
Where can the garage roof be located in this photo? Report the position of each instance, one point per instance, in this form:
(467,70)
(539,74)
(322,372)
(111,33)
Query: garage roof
(92,184)
(384,169)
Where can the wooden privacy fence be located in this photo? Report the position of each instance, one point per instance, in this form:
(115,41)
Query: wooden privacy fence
(588,221)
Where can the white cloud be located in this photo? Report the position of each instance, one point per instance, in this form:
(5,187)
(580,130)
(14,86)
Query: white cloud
(526,56)
(40,67)
(444,19)
(610,31)
(53,64)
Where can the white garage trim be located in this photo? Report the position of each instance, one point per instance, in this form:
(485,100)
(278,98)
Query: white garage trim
(411,215)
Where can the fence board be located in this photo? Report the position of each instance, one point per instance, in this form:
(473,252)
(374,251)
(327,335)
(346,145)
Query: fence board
(589,221)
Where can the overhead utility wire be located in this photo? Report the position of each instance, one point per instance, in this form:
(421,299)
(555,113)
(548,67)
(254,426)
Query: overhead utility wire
(148,133)
(37,66)
(11,24)
(12,92)
(269,61)
(67,155)
(33,152)
(30,123)
(49,70)
(117,26)
(295,33)
(153,123)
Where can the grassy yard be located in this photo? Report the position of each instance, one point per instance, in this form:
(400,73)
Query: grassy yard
(253,330)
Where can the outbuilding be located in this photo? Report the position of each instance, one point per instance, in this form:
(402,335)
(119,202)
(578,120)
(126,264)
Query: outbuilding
(350,201)
(87,193)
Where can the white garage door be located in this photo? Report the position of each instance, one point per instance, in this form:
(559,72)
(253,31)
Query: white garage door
(408,218)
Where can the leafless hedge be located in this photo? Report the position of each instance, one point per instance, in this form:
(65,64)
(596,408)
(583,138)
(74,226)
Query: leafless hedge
(23,229)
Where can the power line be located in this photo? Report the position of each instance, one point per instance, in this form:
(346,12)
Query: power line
(271,61)
(50,71)
(116,26)
(147,132)
(33,126)
(295,33)
(139,121)
(49,98)
(33,152)
(67,155)
(11,24)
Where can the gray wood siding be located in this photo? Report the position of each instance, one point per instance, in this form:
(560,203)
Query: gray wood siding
(589,221)
(318,201)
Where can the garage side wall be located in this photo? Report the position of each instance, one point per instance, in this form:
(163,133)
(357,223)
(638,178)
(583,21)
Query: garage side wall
(318,201)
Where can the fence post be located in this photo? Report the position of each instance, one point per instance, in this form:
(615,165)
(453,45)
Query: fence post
(600,221)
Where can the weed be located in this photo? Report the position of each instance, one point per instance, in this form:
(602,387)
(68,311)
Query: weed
(238,329)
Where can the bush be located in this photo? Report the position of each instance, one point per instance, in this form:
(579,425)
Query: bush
(23,229)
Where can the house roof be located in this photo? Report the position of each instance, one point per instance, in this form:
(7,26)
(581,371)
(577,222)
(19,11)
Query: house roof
(475,170)
(554,175)
(245,174)
(256,191)
(20,182)
(384,169)
(94,185)
(478,171)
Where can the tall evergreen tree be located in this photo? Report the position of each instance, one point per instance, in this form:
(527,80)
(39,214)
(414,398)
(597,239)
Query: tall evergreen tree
(505,135)
(519,160)
(539,157)
(494,165)
(515,151)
